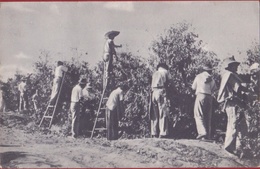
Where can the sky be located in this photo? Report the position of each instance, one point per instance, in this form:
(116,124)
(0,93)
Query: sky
(65,29)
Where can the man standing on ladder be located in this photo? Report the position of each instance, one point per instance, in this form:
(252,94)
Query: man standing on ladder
(76,105)
(114,111)
(57,81)
(109,53)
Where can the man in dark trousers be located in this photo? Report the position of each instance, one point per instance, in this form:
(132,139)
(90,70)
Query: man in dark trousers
(76,106)
(114,111)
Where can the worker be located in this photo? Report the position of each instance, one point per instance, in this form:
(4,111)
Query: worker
(159,102)
(88,109)
(35,100)
(22,87)
(231,93)
(108,54)
(115,110)
(59,70)
(204,85)
(76,105)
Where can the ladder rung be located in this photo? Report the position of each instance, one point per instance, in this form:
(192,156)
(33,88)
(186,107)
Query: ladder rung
(47,116)
(105,98)
(51,106)
(101,118)
(100,129)
(103,108)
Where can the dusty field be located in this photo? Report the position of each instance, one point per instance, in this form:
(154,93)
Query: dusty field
(22,146)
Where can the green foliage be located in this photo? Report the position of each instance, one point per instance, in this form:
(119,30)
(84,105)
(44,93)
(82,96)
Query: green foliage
(181,49)
(251,141)
(134,70)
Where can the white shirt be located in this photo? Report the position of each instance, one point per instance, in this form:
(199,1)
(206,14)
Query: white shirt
(109,46)
(116,95)
(59,70)
(22,87)
(88,95)
(160,77)
(202,85)
(76,93)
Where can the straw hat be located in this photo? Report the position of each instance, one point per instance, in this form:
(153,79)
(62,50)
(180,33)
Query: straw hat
(112,34)
(82,80)
(162,65)
(207,66)
(254,67)
(231,60)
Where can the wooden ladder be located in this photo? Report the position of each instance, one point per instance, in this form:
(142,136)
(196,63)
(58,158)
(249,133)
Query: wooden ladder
(51,109)
(100,112)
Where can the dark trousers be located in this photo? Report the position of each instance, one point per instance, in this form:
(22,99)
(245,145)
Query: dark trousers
(112,124)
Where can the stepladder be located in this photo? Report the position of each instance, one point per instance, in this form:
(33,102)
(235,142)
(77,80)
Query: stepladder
(50,111)
(100,120)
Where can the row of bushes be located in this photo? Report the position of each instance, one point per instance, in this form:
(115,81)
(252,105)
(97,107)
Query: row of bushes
(179,47)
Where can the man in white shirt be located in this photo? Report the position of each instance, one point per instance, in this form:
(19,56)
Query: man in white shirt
(108,54)
(58,74)
(88,113)
(35,100)
(75,106)
(114,111)
(204,86)
(160,103)
(22,87)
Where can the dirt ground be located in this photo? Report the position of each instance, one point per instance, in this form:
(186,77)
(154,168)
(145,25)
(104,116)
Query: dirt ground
(23,146)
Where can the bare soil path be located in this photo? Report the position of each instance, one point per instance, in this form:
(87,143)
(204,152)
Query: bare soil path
(22,147)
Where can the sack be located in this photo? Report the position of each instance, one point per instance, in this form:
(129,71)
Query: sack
(106,57)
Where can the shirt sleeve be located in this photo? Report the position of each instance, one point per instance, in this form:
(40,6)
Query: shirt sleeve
(80,94)
(121,97)
(214,86)
(234,83)
(64,68)
(194,84)
(112,47)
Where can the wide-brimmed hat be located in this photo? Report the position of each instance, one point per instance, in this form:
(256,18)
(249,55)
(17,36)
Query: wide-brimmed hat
(23,79)
(162,65)
(88,86)
(207,66)
(112,34)
(59,63)
(82,80)
(254,67)
(230,60)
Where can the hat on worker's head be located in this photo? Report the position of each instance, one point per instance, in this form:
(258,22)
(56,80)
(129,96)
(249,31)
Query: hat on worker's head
(230,61)
(207,67)
(254,67)
(162,65)
(83,80)
(111,34)
(23,79)
(59,63)
(123,85)
(88,86)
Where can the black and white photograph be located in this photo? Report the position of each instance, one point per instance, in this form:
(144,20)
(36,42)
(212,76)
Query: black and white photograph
(130,84)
